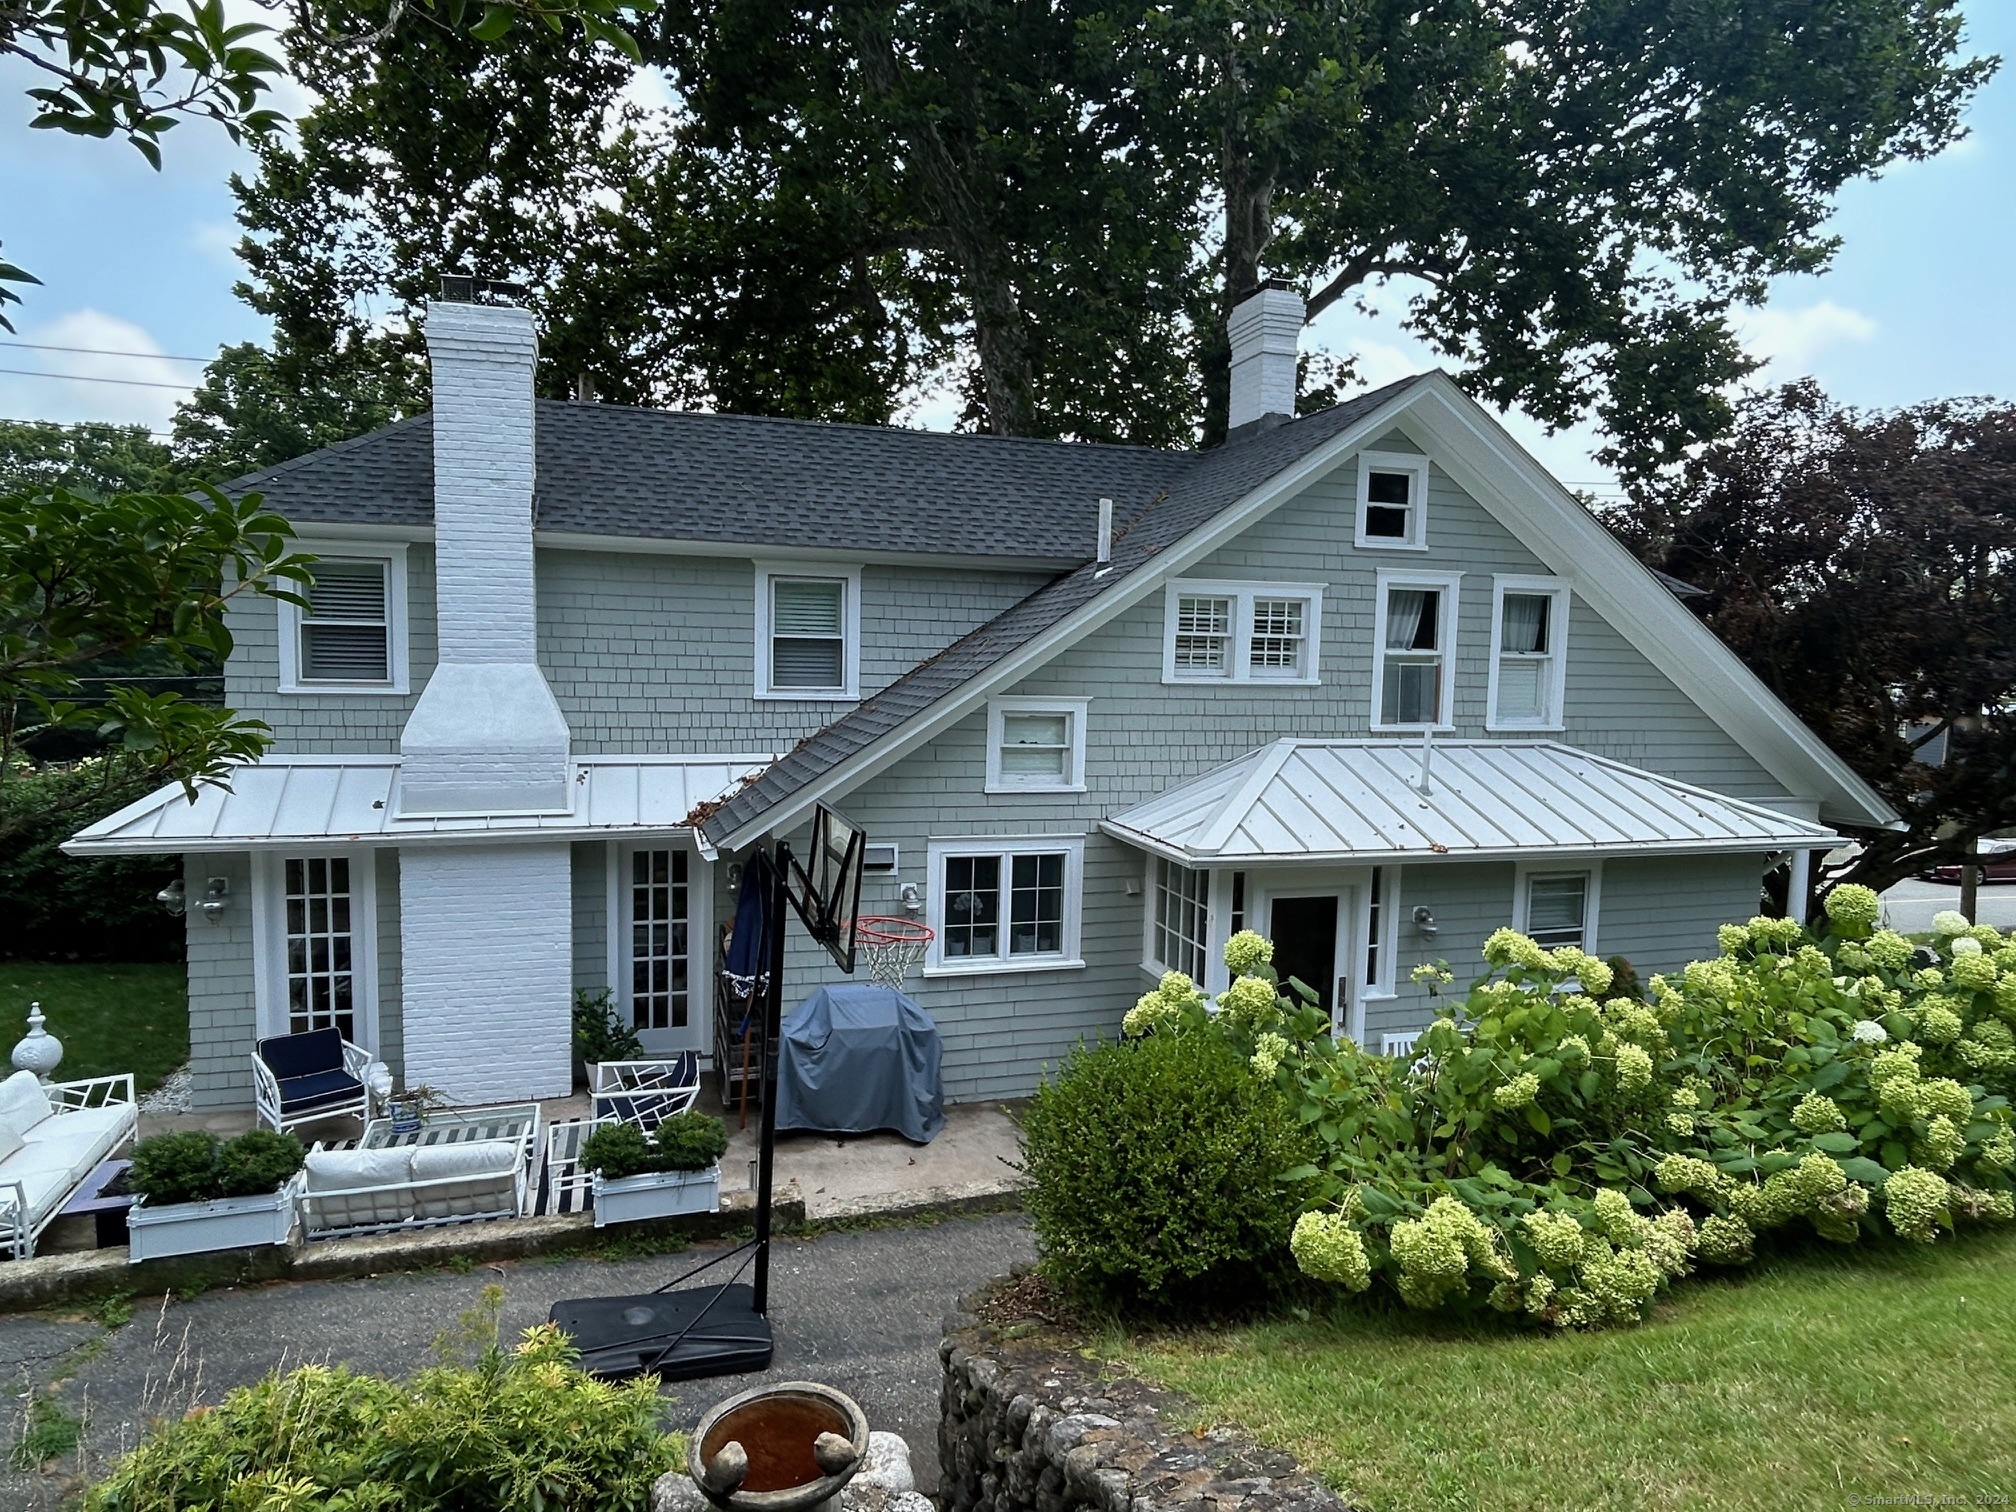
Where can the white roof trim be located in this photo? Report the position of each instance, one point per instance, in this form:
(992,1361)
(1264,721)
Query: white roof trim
(284,802)
(1302,801)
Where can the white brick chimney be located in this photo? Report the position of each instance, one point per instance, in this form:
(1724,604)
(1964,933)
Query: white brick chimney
(1264,328)
(487,736)
(485,929)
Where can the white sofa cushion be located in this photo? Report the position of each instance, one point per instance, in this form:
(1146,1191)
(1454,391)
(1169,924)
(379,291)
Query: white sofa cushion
(57,1153)
(486,1157)
(23,1103)
(10,1141)
(338,1170)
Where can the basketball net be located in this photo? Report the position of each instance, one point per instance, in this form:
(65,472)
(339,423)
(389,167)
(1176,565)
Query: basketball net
(892,947)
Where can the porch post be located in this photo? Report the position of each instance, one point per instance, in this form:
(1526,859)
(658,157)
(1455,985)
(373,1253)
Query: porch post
(1799,887)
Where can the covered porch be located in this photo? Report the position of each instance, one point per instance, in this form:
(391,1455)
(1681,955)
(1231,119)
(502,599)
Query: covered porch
(1363,859)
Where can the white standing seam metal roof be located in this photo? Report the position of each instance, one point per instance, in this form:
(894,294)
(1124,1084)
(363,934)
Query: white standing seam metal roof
(1318,800)
(352,800)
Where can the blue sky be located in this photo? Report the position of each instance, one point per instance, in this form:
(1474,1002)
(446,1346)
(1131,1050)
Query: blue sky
(1920,301)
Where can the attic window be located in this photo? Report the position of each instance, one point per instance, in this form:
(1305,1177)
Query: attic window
(1392,501)
(350,637)
(808,633)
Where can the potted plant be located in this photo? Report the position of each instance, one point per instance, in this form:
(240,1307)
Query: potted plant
(409,1106)
(193,1193)
(600,1034)
(676,1169)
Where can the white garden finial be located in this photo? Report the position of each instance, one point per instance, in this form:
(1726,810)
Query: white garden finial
(39,1050)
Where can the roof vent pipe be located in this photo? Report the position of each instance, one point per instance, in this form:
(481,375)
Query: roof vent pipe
(584,388)
(1105,531)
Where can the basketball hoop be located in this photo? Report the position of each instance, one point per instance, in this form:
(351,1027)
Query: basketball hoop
(892,946)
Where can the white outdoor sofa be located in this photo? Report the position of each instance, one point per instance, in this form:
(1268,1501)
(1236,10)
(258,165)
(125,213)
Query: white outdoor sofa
(376,1191)
(52,1136)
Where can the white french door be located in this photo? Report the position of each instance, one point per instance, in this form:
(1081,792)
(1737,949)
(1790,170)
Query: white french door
(315,944)
(660,958)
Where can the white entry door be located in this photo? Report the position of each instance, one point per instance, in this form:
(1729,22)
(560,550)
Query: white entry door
(660,956)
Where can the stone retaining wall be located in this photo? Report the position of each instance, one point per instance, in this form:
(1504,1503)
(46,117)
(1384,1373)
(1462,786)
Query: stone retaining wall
(1030,1425)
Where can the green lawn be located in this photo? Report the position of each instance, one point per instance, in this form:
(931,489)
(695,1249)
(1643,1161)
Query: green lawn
(110,1018)
(1882,1371)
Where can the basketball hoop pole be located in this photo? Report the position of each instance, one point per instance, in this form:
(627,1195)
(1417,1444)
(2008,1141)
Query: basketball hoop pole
(773,998)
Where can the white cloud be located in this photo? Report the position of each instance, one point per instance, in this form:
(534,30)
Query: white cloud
(57,391)
(1789,340)
(218,241)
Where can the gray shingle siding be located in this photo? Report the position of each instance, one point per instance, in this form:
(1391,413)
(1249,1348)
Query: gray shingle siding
(223,1011)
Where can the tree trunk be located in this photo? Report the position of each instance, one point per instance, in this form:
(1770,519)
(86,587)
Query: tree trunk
(986,271)
(1249,227)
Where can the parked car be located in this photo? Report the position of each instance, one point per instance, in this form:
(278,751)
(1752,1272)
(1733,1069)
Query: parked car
(1998,864)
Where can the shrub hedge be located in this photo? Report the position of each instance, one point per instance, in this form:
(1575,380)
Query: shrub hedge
(1560,1151)
(67,908)
(690,1141)
(194,1166)
(1157,1166)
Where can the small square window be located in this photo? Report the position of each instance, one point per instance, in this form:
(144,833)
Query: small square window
(807,632)
(350,637)
(1035,745)
(1392,501)
(1557,908)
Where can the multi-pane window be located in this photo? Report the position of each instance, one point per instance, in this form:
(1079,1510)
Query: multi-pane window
(660,962)
(1392,509)
(1181,918)
(808,634)
(1005,906)
(1035,745)
(1240,632)
(321,985)
(1416,623)
(346,630)
(1526,672)
(1557,908)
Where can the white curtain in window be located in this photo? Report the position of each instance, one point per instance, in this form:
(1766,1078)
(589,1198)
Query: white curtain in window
(1406,609)
(1525,622)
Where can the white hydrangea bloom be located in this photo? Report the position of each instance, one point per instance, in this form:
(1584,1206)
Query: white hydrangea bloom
(1950,921)
(1869,1032)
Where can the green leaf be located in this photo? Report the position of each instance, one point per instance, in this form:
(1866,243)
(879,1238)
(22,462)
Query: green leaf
(1860,1168)
(1561,1163)
(1537,1119)
(1895,1156)
(1838,1143)
(495,23)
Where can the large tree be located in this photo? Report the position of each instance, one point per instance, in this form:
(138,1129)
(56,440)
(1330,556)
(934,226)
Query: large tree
(1057,204)
(1864,564)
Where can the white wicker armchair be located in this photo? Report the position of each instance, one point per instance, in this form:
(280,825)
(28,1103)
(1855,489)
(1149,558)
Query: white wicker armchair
(645,1092)
(303,1078)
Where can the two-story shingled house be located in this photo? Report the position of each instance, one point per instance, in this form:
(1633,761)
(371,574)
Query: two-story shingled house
(1369,681)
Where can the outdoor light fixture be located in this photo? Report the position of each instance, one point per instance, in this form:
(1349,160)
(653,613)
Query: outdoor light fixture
(913,898)
(216,896)
(1424,921)
(174,897)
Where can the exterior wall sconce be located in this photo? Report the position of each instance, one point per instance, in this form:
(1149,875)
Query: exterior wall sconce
(913,898)
(174,897)
(1424,922)
(216,897)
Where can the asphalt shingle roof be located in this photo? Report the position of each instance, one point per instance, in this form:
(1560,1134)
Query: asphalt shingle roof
(608,470)
(1212,482)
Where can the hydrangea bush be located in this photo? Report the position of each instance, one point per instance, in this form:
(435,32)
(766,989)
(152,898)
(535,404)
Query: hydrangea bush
(1554,1150)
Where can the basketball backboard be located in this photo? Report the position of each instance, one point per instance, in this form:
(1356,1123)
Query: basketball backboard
(826,888)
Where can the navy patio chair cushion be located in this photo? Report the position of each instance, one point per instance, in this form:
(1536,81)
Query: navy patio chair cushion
(318,1089)
(292,1055)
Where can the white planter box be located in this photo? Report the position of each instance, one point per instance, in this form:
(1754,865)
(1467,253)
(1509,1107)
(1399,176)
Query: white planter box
(656,1194)
(193,1228)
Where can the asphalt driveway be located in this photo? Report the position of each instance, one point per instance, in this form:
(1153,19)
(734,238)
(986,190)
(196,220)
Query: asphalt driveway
(858,1310)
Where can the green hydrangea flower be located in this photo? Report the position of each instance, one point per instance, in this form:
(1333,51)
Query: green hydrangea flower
(1976,973)
(1943,1097)
(1725,1241)
(1573,1050)
(1818,1113)
(1539,1295)
(1594,975)
(1619,1224)
(1634,1068)
(1852,957)
(1731,938)
(1269,1050)
(1247,951)
(1941,1144)
(1937,1023)
(1680,1125)
(1998,1152)
(1517,1092)
(1776,932)
(1686,1173)
(1890,950)
(1915,1202)
(1556,1238)
(1853,907)
(1327,1248)
(1964,945)
(1250,1004)
(1508,947)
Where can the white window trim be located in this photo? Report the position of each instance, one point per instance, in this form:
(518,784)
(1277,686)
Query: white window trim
(1407,462)
(1068,959)
(699,934)
(393,554)
(269,942)
(1555,589)
(1449,584)
(1073,709)
(850,629)
(1242,595)
(1592,906)
(1214,948)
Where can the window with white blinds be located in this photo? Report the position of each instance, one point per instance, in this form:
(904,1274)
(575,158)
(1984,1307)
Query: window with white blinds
(1241,632)
(808,625)
(349,637)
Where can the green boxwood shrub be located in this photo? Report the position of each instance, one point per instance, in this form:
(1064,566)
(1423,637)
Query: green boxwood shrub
(520,1430)
(690,1141)
(599,1031)
(1563,1151)
(195,1167)
(1157,1170)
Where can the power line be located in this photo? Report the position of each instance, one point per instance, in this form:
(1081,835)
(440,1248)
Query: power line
(86,378)
(103,352)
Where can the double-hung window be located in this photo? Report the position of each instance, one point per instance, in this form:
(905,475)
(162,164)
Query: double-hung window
(1529,629)
(1179,915)
(1414,635)
(1392,501)
(1557,906)
(1036,745)
(1005,905)
(1242,632)
(350,636)
(808,633)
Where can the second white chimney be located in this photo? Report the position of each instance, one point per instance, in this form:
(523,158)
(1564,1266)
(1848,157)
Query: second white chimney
(1265,328)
